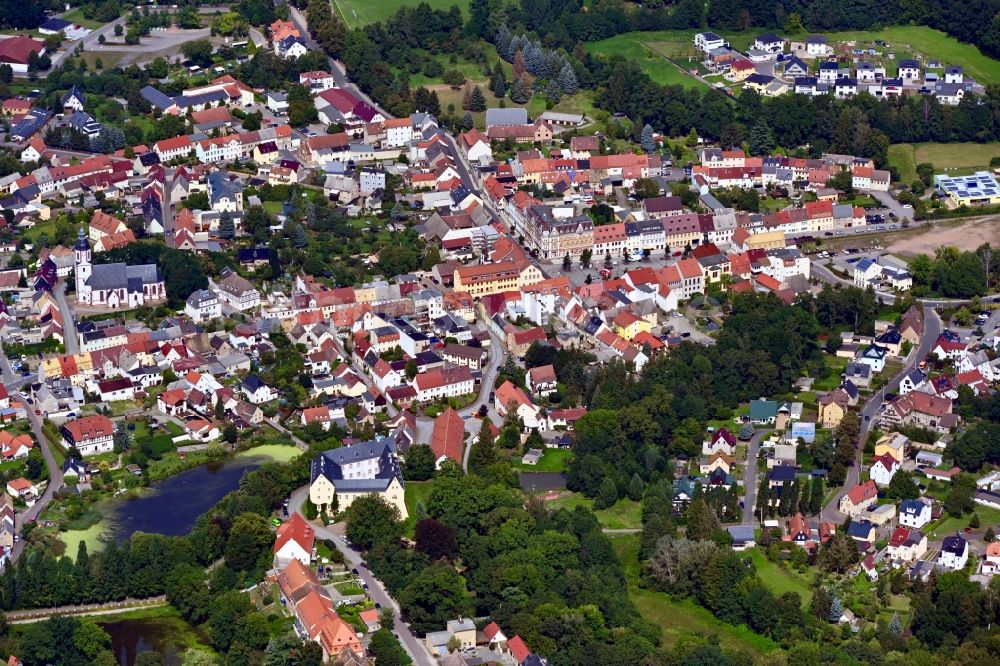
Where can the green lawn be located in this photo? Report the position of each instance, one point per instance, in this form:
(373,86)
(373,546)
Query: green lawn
(76,16)
(932,44)
(625,514)
(837,364)
(553,460)
(682,620)
(779,579)
(955,158)
(651,50)
(358,13)
(949,524)
(91,535)
(275,452)
(413,492)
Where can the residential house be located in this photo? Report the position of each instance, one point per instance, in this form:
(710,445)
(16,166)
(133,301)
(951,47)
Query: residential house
(859,498)
(914,513)
(833,407)
(448,438)
(509,397)
(541,380)
(906,545)
(763,412)
(256,391)
(954,552)
(294,541)
(892,444)
(90,435)
(883,469)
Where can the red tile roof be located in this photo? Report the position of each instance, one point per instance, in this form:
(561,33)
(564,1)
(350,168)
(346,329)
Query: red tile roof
(295,529)
(17,50)
(448,436)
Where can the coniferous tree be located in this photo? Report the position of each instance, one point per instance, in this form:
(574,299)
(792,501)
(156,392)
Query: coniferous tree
(467,121)
(761,138)
(299,238)
(477,101)
(647,138)
(227,228)
(519,92)
(836,610)
(568,81)
(498,84)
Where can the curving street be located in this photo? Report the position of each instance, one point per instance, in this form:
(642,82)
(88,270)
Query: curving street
(14,382)
(873,407)
(413,645)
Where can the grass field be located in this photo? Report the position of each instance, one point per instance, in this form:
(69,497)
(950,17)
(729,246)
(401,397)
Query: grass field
(553,460)
(651,50)
(624,515)
(988,516)
(415,491)
(76,16)
(357,13)
(932,44)
(72,539)
(955,158)
(276,452)
(682,620)
(778,579)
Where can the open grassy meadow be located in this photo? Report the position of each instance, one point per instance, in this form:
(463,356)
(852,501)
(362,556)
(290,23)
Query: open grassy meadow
(682,620)
(654,51)
(955,158)
(357,13)
(624,515)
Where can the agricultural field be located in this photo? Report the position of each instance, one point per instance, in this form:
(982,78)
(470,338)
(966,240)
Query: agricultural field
(357,13)
(954,158)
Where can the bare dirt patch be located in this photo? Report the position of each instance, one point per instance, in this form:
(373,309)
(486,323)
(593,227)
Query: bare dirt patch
(965,235)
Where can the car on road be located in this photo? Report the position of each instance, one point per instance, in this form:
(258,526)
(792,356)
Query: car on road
(354,571)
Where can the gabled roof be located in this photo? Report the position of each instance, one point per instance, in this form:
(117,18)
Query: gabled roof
(448,436)
(862,492)
(295,529)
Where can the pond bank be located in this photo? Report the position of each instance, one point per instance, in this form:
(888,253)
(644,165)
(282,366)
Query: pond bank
(172,506)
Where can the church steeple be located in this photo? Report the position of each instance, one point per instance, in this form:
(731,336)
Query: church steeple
(81,256)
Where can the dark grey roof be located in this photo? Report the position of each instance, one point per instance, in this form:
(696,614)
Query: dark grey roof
(502,117)
(122,276)
(955,545)
(329,464)
(156,98)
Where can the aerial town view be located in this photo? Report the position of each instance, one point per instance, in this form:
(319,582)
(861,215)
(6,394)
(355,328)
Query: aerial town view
(499,332)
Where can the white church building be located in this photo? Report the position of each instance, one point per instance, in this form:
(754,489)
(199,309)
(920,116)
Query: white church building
(115,285)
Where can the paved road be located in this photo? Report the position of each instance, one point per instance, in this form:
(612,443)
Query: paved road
(337,68)
(413,645)
(70,340)
(873,407)
(55,472)
(821,272)
(750,476)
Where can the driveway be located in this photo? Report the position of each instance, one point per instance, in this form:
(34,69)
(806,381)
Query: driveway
(413,645)
(750,474)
